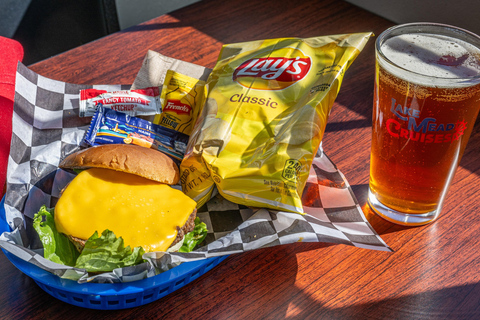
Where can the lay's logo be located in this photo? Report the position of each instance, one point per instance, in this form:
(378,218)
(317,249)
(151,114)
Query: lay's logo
(274,72)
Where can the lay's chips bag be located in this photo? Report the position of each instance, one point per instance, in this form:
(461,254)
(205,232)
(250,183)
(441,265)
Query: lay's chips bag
(261,125)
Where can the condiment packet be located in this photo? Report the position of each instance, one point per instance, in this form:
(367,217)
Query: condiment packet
(182,98)
(139,102)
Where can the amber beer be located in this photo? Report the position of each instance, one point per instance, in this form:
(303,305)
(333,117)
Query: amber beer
(426,100)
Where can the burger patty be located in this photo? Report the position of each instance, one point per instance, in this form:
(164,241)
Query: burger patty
(187,227)
(181,232)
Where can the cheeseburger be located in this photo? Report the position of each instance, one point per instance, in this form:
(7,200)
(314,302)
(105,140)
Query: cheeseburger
(125,189)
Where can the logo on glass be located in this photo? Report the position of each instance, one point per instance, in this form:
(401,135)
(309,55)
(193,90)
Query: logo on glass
(426,130)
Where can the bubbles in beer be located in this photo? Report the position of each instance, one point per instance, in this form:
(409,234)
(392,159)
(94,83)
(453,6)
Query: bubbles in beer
(432,56)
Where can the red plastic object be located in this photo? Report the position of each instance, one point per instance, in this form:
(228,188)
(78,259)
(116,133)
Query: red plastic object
(11,52)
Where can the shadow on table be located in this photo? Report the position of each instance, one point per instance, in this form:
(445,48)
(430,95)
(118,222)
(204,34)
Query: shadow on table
(470,157)
(460,302)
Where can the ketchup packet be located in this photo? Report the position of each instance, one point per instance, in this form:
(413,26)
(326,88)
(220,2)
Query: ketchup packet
(112,127)
(139,102)
(264,117)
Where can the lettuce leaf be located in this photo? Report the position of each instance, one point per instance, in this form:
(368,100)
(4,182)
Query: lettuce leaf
(107,252)
(195,237)
(56,246)
(101,254)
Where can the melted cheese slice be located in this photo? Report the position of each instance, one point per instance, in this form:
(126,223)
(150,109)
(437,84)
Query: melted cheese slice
(143,212)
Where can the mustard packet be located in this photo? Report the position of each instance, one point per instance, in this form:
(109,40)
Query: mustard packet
(264,118)
(181,99)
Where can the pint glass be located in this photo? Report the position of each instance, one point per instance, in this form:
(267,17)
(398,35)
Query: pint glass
(426,100)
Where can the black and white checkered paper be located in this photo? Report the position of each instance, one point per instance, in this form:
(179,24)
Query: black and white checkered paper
(46,128)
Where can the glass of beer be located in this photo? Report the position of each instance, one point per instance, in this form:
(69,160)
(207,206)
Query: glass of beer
(426,100)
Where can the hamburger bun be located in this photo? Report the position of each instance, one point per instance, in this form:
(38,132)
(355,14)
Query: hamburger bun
(141,161)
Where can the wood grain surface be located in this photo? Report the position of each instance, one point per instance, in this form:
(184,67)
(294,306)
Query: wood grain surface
(433,272)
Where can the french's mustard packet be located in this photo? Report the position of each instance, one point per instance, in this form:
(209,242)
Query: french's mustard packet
(181,99)
(264,118)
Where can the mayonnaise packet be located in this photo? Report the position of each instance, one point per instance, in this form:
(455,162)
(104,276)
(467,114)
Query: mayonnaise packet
(264,118)
(181,98)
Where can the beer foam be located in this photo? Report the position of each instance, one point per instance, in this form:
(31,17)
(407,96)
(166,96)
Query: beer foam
(432,56)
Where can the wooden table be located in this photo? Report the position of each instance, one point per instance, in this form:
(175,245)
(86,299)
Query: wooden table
(434,271)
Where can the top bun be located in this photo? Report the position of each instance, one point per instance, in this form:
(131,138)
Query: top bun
(145,162)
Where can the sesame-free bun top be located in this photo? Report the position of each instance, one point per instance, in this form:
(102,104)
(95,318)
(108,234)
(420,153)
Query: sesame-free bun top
(145,162)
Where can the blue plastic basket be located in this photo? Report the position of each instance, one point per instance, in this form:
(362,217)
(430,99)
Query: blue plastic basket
(116,295)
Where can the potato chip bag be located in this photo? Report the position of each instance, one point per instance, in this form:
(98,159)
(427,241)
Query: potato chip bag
(264,117)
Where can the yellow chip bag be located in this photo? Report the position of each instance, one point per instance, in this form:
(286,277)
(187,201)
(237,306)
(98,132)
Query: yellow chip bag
(264,117)
(181,100)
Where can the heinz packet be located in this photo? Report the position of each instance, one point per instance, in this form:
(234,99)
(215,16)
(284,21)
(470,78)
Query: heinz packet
(264,118)
(138,102)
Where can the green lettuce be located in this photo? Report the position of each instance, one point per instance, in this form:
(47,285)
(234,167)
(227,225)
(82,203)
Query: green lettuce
(56,246)
(101,253)
(195,237)
(107,252)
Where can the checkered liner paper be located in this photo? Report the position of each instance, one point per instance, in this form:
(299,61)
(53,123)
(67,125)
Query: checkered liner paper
(46,128)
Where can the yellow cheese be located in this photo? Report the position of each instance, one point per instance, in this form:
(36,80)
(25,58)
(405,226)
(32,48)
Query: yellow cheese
(143,212)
